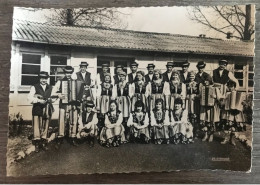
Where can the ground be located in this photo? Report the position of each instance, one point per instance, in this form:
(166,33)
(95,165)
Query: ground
(134,158)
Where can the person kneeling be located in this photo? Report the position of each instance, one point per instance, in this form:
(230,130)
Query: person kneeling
(87,124)
(138,123)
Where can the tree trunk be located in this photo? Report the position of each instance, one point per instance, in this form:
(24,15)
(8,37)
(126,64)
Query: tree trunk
(248,23)
(69,17)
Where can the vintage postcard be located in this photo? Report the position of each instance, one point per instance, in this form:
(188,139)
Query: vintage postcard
(118,90)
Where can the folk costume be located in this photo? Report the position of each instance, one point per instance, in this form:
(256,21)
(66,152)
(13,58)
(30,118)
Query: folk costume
(138,123)
(184,74)
(131,76)
(180,129)
(166,76)
(101,76)
(42,110)
(68,110)
(87,124)
(112,134)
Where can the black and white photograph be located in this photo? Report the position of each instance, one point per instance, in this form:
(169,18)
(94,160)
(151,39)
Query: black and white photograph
(120,90)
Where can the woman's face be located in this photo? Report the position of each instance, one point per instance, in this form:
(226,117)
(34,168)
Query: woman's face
(139,109)
(192,78)
(175,76)
(107,79)
(206,82)
(112,106)
(89,109)
(122,78)
(156,75)
(158,105)
(177,106)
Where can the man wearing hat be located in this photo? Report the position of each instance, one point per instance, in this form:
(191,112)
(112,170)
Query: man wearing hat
(149,77)
(116,77)
(201,76)
(184,72)
(221,75)
(131,76)
(167,75)
(85,77)
(101,75)
(39,96)
(67,108)
(87,129)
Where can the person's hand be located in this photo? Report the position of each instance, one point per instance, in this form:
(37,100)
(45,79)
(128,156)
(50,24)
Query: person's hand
(61,96)
(41,101)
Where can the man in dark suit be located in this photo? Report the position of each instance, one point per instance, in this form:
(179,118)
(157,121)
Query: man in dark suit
(131,76)
(184,72)
(221,75)
(166,76)
(85,77)
(149,77)
(201,76)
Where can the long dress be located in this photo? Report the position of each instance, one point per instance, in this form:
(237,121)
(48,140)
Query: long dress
(141,119)
(177,90)
(180,130)
(112,136)
(104,94)
(121,94)
(160,134)
(158,89)
(139,91)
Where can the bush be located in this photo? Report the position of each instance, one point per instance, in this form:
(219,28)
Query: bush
(16,124)
(248,108)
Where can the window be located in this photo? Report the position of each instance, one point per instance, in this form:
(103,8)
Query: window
(56,68)
(31,66)
(251,76)
(239,74)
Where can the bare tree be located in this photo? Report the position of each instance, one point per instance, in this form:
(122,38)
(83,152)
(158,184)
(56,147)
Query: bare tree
(235,21)
(96,17)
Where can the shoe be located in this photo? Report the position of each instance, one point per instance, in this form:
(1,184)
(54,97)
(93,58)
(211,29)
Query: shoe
(210,138)
(205,137)
(37,146)
(232,140)
(58,143)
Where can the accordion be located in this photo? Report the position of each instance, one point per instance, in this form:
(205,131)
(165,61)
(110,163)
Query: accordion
(234,100)
(73,91)
(207,96)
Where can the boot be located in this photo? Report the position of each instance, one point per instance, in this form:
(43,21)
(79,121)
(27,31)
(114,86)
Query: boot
(232,139)
(210,138)
(44,143)
(37,146)
(226,139)
(205,137)
(74,141)
(58,143)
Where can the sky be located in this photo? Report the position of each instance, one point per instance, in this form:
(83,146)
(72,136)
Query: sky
(174,20)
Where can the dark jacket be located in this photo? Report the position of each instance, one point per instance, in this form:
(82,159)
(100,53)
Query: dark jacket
(165,77)
(183,79)
(147,78)
(201,79)
(223,79)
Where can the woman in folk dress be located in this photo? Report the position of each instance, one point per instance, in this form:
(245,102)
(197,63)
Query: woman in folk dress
(192,101)
(112,134)
(139,90)
(180,130)
(121,93)
(232,118)
(158,89)
(177,89)
(160,123)
(138,124)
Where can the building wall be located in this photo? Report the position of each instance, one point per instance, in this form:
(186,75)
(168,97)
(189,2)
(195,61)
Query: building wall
(18,92)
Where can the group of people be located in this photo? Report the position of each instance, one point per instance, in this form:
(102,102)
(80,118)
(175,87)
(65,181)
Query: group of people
(162,108)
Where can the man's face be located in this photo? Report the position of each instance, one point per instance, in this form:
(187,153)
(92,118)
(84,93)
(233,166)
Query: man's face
(133,69)
(184,69)
(222,66)
(201,70)
(83,69)
(139,109)
(169,69)
(105,69)
(122,78)
(150,70)
(112,106)
(43,81)
(89,109)
(118,70)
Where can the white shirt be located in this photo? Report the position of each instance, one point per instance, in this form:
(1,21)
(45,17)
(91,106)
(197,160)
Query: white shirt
(83,75)
(169,75)
(151,76)
(185,75)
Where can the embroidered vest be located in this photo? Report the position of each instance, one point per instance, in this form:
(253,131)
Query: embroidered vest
(113,119)
(125,90)
(176,89)
(106,91)
(160,88)
(90,117)
(137,88)
(223,79)
(135,119)
(159,117)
